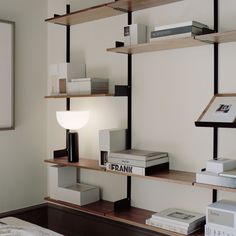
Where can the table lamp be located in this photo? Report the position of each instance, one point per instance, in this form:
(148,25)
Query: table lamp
(72,120)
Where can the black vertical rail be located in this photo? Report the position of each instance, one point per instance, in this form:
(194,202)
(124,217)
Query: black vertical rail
(129,125)
(216,86)
(68,61)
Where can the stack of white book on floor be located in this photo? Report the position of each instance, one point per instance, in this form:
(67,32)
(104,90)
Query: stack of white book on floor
(179,30)
(220,172)
(85,86)
(139,162)
(177,220)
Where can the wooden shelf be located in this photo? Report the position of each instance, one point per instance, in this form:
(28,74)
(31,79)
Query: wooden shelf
(106,10)
(159,45)
(85,15)
(172,176)
(100,208)
(223,37)
(83,163)
(80,96)
(132,216)
(210,186)
(135,5)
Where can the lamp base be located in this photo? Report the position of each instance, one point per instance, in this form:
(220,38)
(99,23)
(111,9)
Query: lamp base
(73,149)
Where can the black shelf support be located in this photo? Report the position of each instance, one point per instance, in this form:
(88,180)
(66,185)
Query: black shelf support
(126,202)
(64,152)
(216,86)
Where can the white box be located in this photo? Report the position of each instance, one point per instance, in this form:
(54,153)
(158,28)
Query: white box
(220,165)
(135,34)
(110,140)
(222,213)
(63,186)
(86,86)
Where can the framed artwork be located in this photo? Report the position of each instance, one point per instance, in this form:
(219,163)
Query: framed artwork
(221,111)
(7,58)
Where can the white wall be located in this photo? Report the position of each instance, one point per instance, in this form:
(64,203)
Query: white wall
(170,90)
(22,171)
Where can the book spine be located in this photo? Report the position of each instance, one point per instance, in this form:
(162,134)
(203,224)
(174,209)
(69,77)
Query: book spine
(125,169)
(166,32)
(175,36)
(167,226)
(183,24)
(136,170)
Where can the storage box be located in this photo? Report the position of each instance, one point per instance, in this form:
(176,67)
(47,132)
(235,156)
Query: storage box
(110,140)
(220,165)
(135,34)
(88,86)
(63,186)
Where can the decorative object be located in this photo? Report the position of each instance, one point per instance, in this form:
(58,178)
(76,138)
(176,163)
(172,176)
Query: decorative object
(221,111)
(72,120)
(7,29)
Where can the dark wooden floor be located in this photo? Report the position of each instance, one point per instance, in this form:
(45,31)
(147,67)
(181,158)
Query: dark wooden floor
(75,223)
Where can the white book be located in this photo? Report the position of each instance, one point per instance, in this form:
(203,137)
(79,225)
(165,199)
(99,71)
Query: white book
(171,227)
(174,36)
(229,173)
(206,177)
(220,165)
(181,24)
(178,216)
(138,163)
(127,169)
(167,227)
(136,154)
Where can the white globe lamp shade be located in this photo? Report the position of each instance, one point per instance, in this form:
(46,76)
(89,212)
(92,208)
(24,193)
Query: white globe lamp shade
(72,120)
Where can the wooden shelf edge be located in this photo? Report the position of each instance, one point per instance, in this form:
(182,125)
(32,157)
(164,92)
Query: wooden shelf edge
(161,45)
(171,176)
(79,96)
(136,5)
(83,163)
(85,15)
(210,186)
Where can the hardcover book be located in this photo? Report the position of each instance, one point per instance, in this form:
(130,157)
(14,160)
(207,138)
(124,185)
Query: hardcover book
(136,154)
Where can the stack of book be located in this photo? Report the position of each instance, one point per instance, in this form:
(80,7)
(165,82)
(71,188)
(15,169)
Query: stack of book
(220,172)
(86,86)
(180,30)
(139,162)
(177,220)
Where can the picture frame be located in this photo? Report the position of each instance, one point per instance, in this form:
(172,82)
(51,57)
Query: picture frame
(220,112)
(7,75)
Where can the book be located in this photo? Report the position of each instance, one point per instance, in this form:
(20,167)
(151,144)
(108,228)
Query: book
(174,31)
(136,154)
(220,165)
(206,177)
(127,169)
(229,173)
(173,227)
(181,24)
(179,217)
(87,86)
(138,163)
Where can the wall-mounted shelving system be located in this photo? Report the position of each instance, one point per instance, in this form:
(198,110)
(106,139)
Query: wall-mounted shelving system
(130,215)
